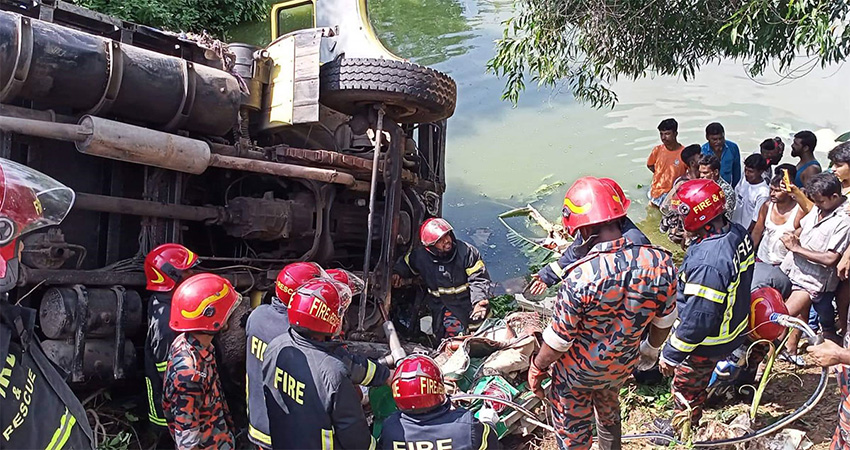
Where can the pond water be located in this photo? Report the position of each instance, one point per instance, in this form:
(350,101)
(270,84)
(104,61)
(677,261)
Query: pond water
(498,156)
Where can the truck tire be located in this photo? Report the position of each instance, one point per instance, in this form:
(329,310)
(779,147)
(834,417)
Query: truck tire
(410,92)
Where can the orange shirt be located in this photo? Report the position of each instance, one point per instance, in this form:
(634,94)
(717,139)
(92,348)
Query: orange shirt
(668,166)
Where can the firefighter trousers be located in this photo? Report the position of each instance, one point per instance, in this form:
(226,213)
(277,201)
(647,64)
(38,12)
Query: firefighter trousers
(691,382)
(574,412)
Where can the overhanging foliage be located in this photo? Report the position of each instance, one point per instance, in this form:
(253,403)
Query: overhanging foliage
(589,44)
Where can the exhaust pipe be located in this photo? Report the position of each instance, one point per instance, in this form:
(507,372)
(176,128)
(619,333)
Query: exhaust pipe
(123,142)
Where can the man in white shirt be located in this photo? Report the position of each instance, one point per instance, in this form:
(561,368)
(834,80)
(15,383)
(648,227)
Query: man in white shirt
(752,193)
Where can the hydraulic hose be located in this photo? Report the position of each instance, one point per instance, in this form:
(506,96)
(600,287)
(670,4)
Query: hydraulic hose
(781,319)
(787,321)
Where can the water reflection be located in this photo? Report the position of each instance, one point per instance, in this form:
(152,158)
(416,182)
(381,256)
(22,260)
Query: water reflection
(425,31)
(499,155)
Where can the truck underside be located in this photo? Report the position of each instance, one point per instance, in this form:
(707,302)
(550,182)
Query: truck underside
(230,150)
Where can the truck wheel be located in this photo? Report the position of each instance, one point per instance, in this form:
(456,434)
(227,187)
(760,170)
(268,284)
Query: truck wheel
(411,93)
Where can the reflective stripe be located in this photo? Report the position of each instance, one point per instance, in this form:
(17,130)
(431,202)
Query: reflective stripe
(161,366)
(705,292)
(750,261)
(727,338)
(475,267)
(327,439)
(681,345)
(259,435)
(152,416)
(370,372)
(557,269)
(372,443)
(484,437)
(63,432)
(407,261)
(449,291)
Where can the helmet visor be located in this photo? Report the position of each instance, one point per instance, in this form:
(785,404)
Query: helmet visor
(29,200)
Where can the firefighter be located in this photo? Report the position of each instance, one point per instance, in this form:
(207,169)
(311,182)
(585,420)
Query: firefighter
(267,322)
(37,408)
(457,283)
(552,273)
(165,266)
(607,302)
(193,401)
(426,418)
(713,298)
(309,393)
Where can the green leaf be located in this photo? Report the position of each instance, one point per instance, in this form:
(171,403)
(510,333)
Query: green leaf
(843,138)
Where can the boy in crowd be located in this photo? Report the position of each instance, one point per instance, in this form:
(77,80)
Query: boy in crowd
(665,161)
(813,254)
(839,160)
(752,193)
(772,151)
(804,148)
(727,151)
(671,221)
(709,169)
(778,216)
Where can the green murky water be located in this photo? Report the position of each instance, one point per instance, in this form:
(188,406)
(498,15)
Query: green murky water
(498,155)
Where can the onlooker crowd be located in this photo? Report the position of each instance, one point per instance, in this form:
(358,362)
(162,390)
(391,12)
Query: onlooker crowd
(798,217)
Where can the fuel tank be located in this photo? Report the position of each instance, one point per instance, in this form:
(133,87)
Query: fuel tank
(59,67)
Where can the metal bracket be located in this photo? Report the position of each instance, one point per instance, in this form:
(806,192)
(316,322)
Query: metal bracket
(23,60)
(118,363)
(113,83)
(82,323)
(188,100)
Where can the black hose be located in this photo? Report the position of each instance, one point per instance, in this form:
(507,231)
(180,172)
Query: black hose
(813,400)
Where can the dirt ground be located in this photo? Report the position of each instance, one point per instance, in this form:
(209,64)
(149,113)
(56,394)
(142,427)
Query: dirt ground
(789,389)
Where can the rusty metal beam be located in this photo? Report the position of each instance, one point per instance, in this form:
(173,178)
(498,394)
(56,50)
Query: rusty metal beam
(133,207)
(282,170)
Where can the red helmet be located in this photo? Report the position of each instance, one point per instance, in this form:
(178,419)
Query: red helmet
(318,306)
(432,230)
(164,266)
(418,384)
(294,275)
(203,302)
(590,201)
(699,202)
(763,302)
(29,200)
(620,194)
(347,278)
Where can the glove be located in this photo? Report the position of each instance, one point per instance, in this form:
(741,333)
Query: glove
(488,415)
(648,356)
(536,376)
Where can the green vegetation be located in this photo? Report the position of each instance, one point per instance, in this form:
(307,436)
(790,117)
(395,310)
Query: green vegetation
(589,45)
(213,16)
(503,305)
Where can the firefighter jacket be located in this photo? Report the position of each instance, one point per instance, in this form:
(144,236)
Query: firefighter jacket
(713,296)
(554,272)
(157,347)
(267,322)
(442,429)
(37,408)
(193,401)
(310,396)
(455,282)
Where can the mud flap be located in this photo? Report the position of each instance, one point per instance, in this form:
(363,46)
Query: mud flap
(37,408)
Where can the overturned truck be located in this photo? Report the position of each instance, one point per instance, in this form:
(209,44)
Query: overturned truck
(252,157)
